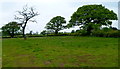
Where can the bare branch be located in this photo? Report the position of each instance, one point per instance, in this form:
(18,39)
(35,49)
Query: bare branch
(33,21)
(25,16)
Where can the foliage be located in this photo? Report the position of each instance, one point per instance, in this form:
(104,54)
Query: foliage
(114,28)
(0,33)
(10,29)
(56,24)
(82,32)
(72,31)
(106,29)
(106,32)
(44,32)
(90,17)
(31,32)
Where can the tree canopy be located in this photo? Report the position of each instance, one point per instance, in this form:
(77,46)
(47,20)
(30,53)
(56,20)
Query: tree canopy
(10,29)
(89,16)
(56,24)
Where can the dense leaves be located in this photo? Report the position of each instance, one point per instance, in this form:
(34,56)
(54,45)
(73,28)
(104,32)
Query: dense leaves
(56,24)
(10,29)
(89,16)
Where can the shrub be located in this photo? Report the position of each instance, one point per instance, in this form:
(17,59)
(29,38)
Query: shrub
(114,33)
(106,33)
(98,33)
(83,32)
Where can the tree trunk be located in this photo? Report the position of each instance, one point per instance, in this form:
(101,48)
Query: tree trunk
(89,30)
(24,36)
(11,35)
(56,31)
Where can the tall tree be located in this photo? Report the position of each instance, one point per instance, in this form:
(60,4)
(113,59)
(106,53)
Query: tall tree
(56,24)
(11,29)
(25,16)
(90,16)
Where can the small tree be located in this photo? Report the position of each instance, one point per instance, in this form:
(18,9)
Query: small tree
(11,29)
(56,24)
(72,31)
(44,32)
(31,32)
(25,16)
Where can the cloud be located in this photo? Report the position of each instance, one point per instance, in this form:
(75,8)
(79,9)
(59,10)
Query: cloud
(47,9)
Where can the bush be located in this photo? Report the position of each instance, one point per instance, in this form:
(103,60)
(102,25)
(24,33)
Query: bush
(98,33)
(59,34)
(106,29)
(114,33)
(74,34)
(82,32)
(106,33)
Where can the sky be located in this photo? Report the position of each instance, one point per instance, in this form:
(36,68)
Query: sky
(49,9)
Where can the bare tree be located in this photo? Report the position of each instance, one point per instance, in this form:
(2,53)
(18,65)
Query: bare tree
(25,16)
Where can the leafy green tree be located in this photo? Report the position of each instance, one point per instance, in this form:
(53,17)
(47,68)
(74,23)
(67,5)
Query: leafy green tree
(31,32)
(72,31)
(11,29)
(56,24)
(92,16)
(44,32)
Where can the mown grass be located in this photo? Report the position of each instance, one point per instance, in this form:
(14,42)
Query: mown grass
(60,51)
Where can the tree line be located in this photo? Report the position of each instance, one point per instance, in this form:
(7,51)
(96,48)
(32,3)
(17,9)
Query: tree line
(90,18)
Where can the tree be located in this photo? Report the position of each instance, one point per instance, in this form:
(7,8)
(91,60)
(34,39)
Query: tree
(92,16)
(56,24)
(113,28)
(11,29)
(72,31)
(0,34)
(25,16)
(31,32)
(44,32)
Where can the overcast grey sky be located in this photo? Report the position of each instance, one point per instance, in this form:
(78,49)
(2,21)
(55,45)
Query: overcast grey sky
(49,9)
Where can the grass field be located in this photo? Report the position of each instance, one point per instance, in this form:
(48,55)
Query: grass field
(0,52)
(60,51)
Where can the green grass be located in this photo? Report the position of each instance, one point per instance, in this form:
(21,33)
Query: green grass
(0,52)
(60,51)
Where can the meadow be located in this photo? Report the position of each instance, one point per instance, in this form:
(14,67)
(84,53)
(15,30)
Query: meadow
(60,51)
(0,52)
